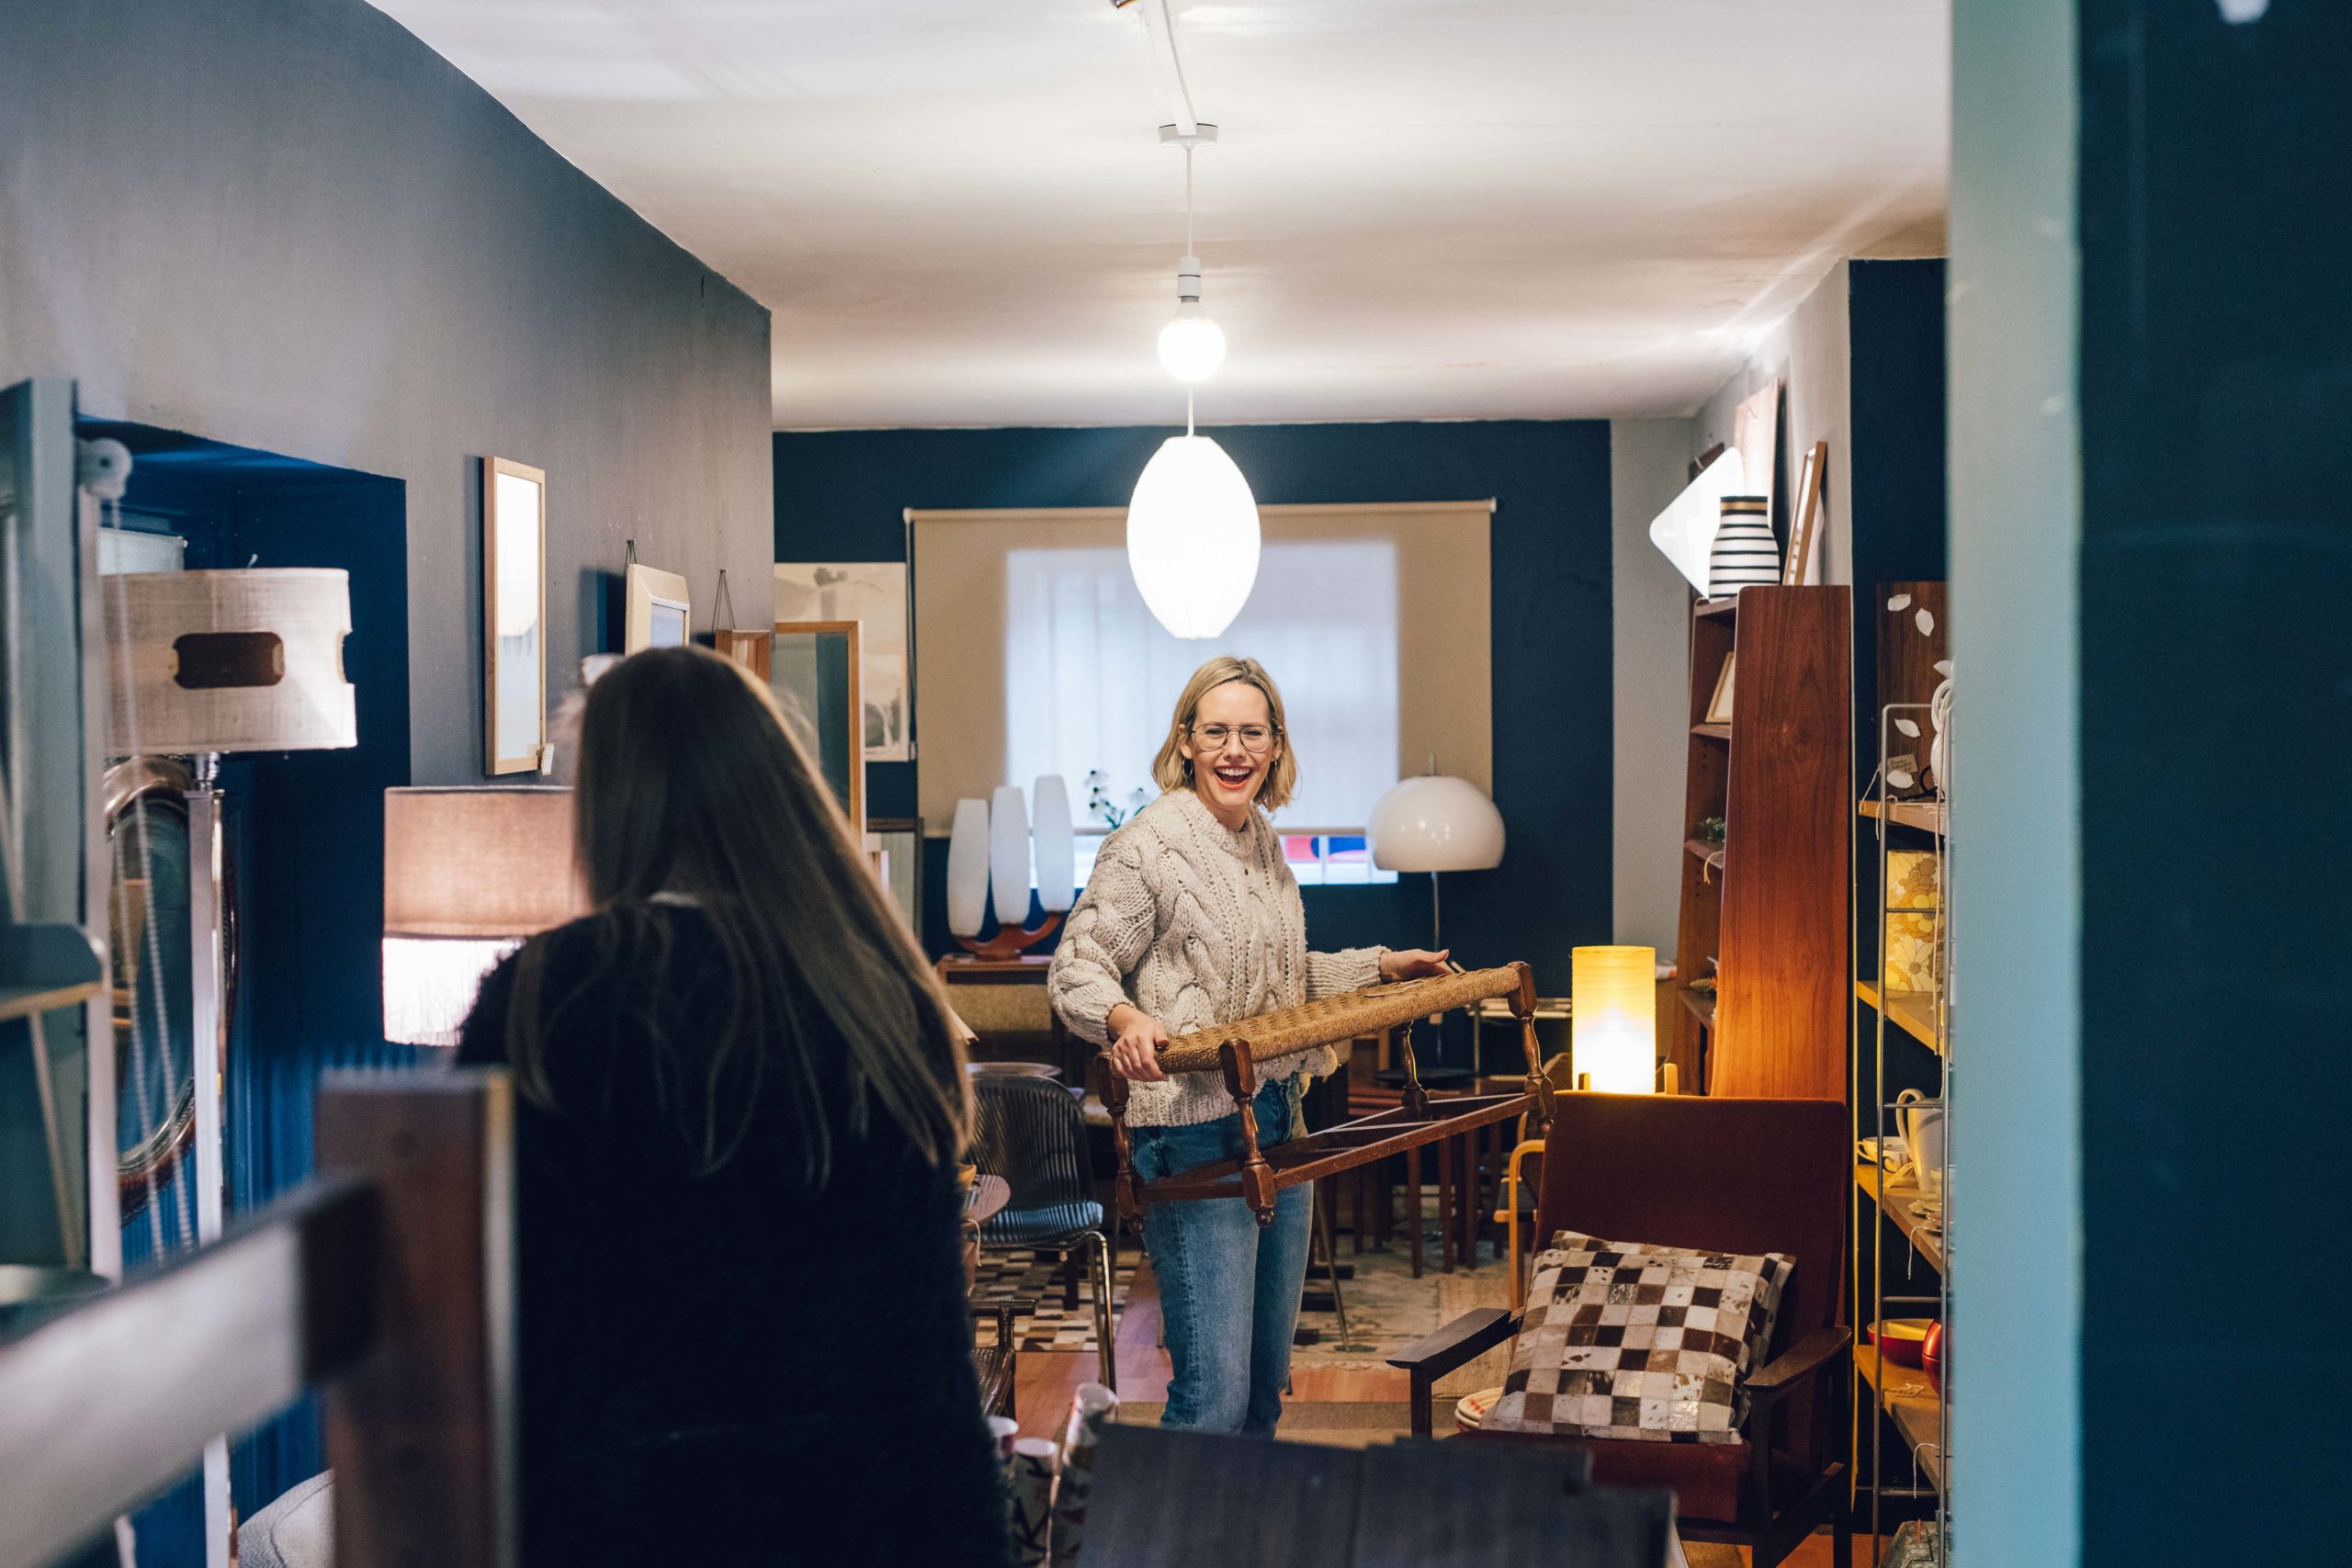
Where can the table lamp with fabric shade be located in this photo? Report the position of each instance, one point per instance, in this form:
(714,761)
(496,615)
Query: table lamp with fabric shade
(470,875)
(1612,1018)
(1435,823)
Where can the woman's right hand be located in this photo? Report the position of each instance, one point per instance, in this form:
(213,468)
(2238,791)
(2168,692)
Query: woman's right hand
(1135,1037)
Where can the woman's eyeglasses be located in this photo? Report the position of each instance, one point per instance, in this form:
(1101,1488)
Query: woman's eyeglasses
(1254,738)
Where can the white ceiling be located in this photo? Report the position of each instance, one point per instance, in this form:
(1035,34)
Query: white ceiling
(960,215)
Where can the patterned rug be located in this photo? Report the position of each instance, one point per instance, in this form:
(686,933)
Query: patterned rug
(1015,1274)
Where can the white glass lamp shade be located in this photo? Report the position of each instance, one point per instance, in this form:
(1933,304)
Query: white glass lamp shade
(1009,855)
(468,874)
(1612,1018)
(1193,536)
(1436,823)
(968,868)
(1054,840)
(245,660)
(1685,531)
(1192,345)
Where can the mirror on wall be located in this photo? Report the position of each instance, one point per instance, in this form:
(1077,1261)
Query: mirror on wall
(814,672)
(514,555)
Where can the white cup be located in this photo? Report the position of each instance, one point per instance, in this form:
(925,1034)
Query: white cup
(1923,1132)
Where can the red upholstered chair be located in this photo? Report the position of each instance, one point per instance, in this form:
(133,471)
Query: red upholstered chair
(1743,1176)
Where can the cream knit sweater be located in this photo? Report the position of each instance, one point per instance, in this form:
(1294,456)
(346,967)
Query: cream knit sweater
(1197,925)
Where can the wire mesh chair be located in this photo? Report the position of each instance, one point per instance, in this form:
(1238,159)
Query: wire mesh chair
(1030,1132)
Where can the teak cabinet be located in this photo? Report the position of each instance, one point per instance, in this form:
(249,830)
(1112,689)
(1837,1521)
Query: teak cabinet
(1772,910)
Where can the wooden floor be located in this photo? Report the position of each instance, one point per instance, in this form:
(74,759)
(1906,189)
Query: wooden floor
(1049,1378)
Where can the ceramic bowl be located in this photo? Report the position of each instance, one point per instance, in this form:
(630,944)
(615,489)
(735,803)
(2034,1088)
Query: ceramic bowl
(1901,1340)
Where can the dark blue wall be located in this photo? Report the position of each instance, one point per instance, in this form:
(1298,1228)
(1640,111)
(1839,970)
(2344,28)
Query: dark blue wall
(2215,386)
(840,496)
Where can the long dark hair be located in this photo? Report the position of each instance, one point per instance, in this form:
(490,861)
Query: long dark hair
(690,786)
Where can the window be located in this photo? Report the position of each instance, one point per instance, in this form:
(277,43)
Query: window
(1090,677)
(1035,654)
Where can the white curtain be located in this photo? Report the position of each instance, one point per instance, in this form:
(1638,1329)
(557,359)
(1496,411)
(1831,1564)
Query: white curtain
(1092,680)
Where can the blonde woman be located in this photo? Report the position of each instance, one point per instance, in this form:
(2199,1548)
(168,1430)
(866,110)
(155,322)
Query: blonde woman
(1191,919)
(740,1273)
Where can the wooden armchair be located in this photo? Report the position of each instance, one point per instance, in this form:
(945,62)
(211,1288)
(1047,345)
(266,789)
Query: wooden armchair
(1743,1176)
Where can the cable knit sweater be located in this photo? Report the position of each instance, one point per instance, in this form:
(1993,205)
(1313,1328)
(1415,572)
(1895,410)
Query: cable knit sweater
(1197,925)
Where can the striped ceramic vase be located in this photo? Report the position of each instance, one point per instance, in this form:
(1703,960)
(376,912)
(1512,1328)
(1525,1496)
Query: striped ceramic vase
(1745,552)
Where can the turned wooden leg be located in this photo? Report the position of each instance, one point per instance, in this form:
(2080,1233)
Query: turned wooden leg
(1257,1176)
(1522,1006)
(1114,1101)
(1415,1100)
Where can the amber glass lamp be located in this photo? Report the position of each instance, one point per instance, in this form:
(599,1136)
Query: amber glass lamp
(1612,1018)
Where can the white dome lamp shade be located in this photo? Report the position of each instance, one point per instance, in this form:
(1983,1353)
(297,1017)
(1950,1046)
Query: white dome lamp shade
(1436,824)
(1685,532)
(1009,856)
(1193,537)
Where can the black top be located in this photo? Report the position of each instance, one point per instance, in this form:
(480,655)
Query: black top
(732,1367)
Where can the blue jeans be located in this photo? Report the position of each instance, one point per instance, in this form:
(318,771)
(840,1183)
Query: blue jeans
(1229,1287)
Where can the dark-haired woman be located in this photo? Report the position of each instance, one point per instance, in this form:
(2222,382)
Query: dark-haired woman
(743,1330)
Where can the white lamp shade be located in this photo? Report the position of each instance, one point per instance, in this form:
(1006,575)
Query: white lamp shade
(1436,823)
(1054,840)
(245,660)
(1685,532)
(1193,536)
(968,868)
(1009,855)
(1612,1018)
(469,873)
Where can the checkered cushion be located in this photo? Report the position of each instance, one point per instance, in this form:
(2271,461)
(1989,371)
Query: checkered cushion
(1624,1340)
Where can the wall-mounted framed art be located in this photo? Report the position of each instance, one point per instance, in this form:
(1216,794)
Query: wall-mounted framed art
(814,672)
(661,611)
(513,615)
(874,594)
(1803,510)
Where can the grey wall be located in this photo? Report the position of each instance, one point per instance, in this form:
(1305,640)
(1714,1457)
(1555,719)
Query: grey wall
(289,225)
(1649,606)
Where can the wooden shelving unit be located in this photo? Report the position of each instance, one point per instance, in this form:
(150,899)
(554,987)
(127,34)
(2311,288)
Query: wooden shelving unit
(1927,815)
(1775,912)
(1914,1013)
(1895,1199)
(1907,1395)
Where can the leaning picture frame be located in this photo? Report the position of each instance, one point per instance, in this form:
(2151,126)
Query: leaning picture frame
(1804,511)
(814,672)
(1719,705)
(513,616)
(661,610)
(898,844)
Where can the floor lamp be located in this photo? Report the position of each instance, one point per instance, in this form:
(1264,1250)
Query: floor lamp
(1436,824)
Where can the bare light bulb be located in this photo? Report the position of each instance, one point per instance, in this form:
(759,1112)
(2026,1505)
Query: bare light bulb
(1191,346)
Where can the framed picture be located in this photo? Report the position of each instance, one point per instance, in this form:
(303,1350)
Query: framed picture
(513,615)
(814,672)
(898,844)
(1719,705)
(1803,511)
(661,611)
(750,649)
(874,594)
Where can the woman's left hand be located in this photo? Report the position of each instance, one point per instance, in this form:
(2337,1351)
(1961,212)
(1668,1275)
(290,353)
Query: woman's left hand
(1412,964)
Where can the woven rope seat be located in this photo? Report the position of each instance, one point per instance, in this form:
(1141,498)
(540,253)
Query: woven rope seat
(1330,1019)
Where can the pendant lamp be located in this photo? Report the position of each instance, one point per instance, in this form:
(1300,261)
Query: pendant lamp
(1193,536)
(1193,524)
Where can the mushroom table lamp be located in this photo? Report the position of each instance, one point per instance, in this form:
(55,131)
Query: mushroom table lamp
(1436,824)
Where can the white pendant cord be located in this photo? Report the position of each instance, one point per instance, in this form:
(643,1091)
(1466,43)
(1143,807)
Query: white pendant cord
(1188,251)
